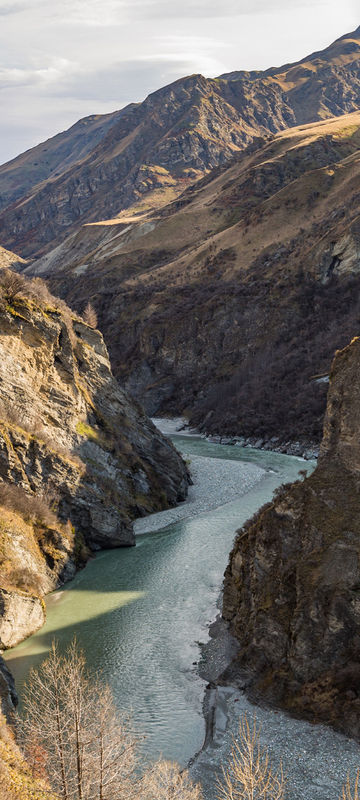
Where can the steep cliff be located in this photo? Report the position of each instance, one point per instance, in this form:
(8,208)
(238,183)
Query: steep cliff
(292,585)
(78,460)
(148,152)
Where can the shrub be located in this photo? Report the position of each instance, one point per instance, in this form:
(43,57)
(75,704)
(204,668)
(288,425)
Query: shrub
(36,508)
(12,284)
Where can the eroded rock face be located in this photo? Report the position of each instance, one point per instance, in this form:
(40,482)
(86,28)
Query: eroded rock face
(67,426)
(270,243)
(102,165)
(293,582)
(70,438)
(20,616)
(8,696)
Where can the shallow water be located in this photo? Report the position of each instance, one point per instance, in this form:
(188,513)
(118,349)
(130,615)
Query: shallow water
(140,613)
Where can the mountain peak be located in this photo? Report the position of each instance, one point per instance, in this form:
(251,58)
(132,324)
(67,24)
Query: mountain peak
(156,148)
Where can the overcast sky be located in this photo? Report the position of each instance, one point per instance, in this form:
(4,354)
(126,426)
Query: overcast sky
(64,59)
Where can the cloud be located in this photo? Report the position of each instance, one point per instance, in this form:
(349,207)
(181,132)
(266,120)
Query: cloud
(18,6)
(63,59)
(123,82)
(51,74)
(213,8)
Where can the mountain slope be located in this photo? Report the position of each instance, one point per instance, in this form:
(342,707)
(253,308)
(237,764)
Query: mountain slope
(228,303)
(292,585)
(11,260)
(52,157)
(178,133)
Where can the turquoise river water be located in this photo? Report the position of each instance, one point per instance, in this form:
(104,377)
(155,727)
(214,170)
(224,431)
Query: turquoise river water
(140,613)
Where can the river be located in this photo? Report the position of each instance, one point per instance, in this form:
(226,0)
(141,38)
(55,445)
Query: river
(141,613)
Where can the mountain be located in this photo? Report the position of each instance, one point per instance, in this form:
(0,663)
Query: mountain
(78,460)
(227,304)
(149,152)
(292,585)
(53,157)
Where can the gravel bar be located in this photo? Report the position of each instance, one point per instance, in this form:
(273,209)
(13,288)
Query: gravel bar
(315,759)
(216,482)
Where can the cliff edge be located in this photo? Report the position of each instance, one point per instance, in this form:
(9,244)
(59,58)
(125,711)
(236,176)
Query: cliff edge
(292,587)
(79,461)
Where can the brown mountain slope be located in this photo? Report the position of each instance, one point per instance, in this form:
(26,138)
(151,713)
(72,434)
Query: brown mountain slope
(11,260)
(53,157)
(172,138)
(227,303)
(292,585)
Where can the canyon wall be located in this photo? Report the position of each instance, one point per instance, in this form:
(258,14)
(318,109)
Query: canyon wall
(292,587)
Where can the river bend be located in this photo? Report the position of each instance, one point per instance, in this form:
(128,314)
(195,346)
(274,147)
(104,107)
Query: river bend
(141,613)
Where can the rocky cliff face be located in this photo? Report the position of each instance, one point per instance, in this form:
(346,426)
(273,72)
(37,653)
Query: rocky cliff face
(20,614)
(8,696)
(78,460)
(150,151)
(292,585)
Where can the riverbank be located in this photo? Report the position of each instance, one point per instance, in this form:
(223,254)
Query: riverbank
(306,449)
(140,614)
(315,759)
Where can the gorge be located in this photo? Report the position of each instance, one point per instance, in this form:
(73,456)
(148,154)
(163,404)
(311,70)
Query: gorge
(138,614)
(207,241)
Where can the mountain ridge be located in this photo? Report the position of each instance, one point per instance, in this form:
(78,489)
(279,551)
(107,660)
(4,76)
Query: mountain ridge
(151,151)
(183,294)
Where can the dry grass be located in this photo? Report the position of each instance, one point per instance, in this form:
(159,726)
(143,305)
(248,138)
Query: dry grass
(16,780)
(15,287)
(14,284)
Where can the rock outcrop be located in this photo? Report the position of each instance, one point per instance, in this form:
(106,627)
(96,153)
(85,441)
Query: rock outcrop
(78,460)
(20,613)
(67,425)
(292,585)
(8,696)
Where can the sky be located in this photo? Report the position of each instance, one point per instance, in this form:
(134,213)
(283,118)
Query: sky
(61,60)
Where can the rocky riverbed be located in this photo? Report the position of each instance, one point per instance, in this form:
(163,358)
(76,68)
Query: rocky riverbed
(306,449)
(315,759)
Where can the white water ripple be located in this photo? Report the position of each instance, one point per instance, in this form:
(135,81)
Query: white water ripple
(215,483)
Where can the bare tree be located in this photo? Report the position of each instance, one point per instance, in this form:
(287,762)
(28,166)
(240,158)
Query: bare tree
(89,751)
(48,720)
(90,316)
(111,758)
(166,781)
(249,774)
